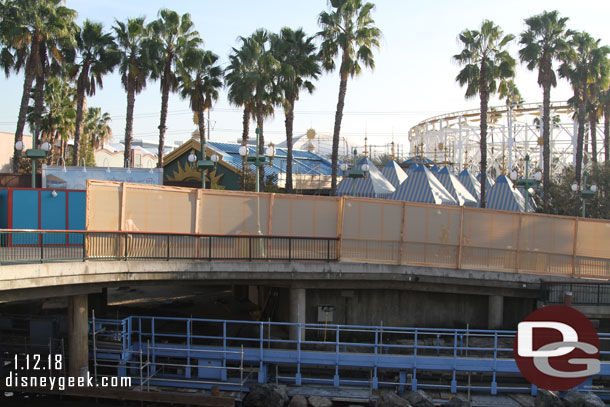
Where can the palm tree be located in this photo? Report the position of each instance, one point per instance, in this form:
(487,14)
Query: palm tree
(200,79)
(258,68)
(605,106)
(296,54)
(137,56)
(12,56)
(57,120)
(240,88)
(97,127)
(349,32)
(581,64)
(508,90)
(177,38)
(98,55)
(35,28)
(543,41)
(60,96)
(595,89)
(485,62)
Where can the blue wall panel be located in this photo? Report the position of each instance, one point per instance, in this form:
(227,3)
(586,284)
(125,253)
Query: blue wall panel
(53,215)
(77,207)
(25,209)
(25,214)
(3,208)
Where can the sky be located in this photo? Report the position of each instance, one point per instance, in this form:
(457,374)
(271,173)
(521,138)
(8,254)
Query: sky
(414,77)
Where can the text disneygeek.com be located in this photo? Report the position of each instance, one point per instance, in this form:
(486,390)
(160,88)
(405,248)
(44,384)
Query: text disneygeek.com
(16,381)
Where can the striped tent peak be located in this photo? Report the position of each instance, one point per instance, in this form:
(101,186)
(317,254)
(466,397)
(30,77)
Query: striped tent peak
(455,188)
(394,173)
(423,186)
(435,169)
(416,160)
(373,185)
(412,167)
(489,181)
(504,196)
(531,204)
(471,183)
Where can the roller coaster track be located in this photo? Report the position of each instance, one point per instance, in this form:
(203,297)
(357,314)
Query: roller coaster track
(513,132)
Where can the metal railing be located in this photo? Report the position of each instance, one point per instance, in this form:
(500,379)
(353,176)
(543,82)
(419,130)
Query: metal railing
(27,246)
(597,293)
(191,352)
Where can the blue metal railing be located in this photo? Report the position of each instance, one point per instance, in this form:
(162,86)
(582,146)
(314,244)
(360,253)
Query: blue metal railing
(189,352)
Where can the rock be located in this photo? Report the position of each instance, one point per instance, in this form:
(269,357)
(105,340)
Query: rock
(574,399)
(545,398)
(419,399)
(457,402)
(266,395)
(592,400)
(388,399)
(524,400)
(317,401)
(298,401)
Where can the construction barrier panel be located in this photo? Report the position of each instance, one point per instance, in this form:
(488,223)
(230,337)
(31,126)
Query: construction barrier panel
(370,230)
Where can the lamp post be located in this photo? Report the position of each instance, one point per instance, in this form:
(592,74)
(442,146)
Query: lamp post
(355,173)
(203,164)
(258,161)
(527,184)
(34,154)
(584,193)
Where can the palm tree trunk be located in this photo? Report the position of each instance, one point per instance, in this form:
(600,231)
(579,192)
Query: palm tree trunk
(546,145)
(131,100)
(289,126)
(336,132)
(52,139)
(201,126)
(582,111)
(246,124)
(593,130)
(30,73)
(244,141)
(164,105)
(78,124)
(484,95)
(261,144)
(38,108)
(607,133)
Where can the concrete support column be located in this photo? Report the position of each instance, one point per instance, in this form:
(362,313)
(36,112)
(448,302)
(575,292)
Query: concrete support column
(297,312)
(254,295)
(98,303)
(495,318)
(78,349)
(240,292)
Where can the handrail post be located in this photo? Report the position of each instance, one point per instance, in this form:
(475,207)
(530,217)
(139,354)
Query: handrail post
(290,248)
(328,250)
(598,294)
(41,247)
(168,250)
(249,248)
(84,246)
(126,240)
(209,248)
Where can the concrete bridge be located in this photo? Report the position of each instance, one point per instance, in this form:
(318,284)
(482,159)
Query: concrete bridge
(305,272)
